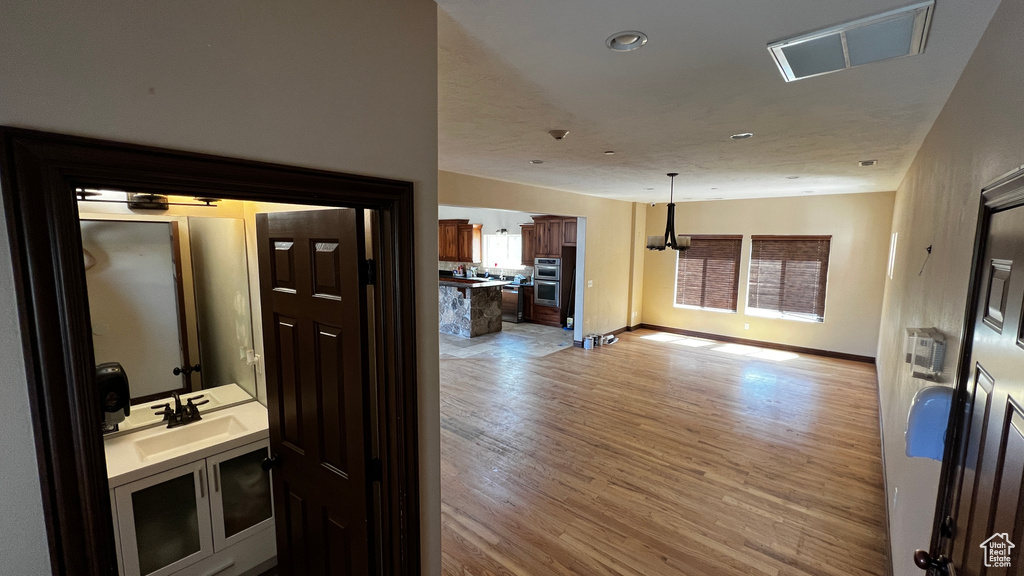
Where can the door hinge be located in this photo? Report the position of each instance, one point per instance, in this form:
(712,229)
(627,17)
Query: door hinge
(376,470)
(370,272)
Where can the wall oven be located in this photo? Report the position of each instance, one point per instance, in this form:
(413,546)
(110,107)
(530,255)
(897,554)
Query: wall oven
(545,292)
(547,269)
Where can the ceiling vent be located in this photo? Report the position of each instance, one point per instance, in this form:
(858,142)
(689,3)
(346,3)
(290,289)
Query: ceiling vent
(892,34)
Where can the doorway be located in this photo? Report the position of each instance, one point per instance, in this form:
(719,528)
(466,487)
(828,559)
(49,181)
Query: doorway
(40,173)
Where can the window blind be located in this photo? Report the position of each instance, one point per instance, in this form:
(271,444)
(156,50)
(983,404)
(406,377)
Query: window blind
(707,275)
(788,275)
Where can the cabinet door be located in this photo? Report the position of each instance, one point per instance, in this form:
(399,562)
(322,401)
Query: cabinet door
(164,521)
(541,239)
(554,239)
(569,232)
(466,244)
(449,242)
(527,302)
(529,245)
(240,497)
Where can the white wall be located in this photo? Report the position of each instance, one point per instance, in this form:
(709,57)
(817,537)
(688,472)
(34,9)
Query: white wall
(345,86)
(492,220)
(978,136)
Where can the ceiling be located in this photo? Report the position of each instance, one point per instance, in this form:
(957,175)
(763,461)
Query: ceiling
(511,70)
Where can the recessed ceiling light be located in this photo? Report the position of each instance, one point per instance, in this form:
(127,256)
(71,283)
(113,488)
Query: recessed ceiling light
(792,177)
(626,41)
(714,188)
(866,163)
(808,191)
(609,152)
(742,136)
(648,188)
(536,161)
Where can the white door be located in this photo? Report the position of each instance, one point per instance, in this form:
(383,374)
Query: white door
(164,521)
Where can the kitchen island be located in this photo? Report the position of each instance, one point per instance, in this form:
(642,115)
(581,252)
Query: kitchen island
(469,307)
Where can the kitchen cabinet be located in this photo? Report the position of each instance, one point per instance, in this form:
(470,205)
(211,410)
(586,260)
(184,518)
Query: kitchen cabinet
(527,303)
(212,514)
(569,232)
(470,243)
(448,239)
(548,236)
(529,243)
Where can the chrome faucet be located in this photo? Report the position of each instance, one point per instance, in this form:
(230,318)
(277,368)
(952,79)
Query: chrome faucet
(180,415)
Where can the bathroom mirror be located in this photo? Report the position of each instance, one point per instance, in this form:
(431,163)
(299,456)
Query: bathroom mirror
(169,293)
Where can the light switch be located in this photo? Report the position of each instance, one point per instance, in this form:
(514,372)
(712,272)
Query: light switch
(590,283)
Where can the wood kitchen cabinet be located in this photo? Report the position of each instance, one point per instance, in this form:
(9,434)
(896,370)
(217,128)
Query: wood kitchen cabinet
(448,239)
(459,241)
(569,232)
(529,243)
(548,236)
(470,242)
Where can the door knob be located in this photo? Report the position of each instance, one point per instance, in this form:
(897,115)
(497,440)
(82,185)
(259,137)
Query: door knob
(274,461)
(925,561)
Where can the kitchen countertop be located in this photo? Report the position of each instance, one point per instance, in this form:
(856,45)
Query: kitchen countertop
(472,282)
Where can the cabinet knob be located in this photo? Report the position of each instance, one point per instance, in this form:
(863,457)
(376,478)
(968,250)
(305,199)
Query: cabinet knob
(274,461)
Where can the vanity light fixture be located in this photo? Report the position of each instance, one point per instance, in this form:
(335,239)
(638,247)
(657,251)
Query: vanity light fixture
(141,201)
(670,240)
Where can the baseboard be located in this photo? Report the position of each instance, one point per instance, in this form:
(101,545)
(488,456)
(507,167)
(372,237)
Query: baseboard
(633,328)
(773,345)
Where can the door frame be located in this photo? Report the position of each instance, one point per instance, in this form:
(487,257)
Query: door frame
(1003,193)
(38,173)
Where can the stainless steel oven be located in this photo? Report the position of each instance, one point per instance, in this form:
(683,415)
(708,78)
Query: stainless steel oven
(547,269)
(545,292)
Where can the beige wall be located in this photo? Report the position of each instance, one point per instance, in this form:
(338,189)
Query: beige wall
(605,304)
(345,86)
(859,226)
(978,136)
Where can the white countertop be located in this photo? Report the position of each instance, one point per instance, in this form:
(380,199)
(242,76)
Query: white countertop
(225,429)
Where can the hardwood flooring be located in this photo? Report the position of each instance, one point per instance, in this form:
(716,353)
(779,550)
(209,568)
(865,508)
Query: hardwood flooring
(671,457)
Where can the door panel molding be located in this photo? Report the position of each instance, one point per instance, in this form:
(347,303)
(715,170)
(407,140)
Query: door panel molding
(38,172)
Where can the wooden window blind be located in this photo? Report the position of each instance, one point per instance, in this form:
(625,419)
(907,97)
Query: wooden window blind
(708,274)
(788,275)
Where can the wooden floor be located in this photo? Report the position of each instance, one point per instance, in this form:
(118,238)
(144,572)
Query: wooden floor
(649,458)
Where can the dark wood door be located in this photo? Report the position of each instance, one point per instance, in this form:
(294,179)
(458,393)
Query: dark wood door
(529,243)
(315,337)
(985,506)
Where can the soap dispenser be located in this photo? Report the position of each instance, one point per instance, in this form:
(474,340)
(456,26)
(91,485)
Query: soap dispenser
(114,394)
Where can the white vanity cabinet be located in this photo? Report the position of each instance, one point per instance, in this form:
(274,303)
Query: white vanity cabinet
(209,517)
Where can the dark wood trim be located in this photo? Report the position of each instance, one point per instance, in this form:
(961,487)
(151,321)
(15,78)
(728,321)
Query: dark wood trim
(38,172)
(179,293)
(761,343)
(715,236)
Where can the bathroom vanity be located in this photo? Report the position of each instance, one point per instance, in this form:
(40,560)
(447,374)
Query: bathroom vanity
(194,500)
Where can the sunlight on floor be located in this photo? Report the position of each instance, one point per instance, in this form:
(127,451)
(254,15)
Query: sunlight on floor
(736,349)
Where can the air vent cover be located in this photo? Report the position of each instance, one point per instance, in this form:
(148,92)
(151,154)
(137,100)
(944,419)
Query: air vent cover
(892,34)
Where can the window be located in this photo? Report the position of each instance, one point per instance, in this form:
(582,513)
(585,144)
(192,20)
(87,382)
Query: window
(503,251)
(787,277)
(707,275)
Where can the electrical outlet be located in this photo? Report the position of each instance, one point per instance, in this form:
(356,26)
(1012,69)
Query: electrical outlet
(590,283)
(746,326)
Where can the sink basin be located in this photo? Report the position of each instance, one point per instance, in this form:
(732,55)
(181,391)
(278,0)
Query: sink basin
(189,437)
